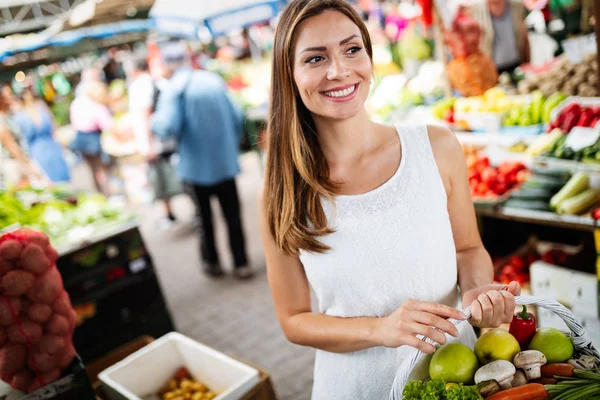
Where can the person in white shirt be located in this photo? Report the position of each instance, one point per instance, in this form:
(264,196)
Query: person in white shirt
(142,100)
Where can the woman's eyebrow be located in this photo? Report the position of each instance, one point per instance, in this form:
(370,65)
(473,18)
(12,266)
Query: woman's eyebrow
(323,48)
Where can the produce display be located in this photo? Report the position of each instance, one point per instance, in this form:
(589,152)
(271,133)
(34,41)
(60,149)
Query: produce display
(554,190)
(510,109)
(516,268)
(523,363)
(575,115)
(572,80)
(36,317)
(489,182)
(471,72)
(184,387)
(58,212)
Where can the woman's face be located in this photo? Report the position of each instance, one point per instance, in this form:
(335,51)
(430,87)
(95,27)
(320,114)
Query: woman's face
(332,69)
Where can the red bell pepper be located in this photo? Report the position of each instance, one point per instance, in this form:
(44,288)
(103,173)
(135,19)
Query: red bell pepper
(586,118)
(523,327)
(572,113)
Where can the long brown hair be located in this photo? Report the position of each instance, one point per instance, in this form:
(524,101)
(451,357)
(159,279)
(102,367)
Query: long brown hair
(297,174)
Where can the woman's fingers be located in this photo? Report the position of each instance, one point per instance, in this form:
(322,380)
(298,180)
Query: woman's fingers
(509,306)
(514,288)
(435,321)
(497,299)
(438,309)
(427,331)
(419,344)
(487,309)
(476,313)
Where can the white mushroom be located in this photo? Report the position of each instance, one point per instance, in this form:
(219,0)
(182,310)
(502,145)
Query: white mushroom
(519,379)
(531,361)
(501,371)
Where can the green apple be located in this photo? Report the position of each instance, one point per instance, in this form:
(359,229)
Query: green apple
(455,363)
(554,344)
(496,344)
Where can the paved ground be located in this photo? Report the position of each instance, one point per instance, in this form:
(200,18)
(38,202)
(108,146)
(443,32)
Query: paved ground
(235,317)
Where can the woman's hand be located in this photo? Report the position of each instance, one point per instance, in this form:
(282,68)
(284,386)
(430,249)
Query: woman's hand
(418,318)
(492,305)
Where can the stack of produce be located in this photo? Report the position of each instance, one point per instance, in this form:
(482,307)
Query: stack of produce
(533,110)
(576,115)
(516,268)
(183,387)
(552,190)
(36,316)
(524,363)
(57,212)
(575,197)
(572,80)
(471,72)
(488,182)
(517,110)
(537,190)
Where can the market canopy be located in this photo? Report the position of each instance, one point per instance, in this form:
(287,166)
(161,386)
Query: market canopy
(188,19)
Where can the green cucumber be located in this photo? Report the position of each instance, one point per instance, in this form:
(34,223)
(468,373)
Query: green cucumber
(545,182)
(531,193)
(577,184)
(550,172)
(527,204)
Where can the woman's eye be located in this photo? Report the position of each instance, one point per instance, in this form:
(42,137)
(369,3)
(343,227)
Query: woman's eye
(354,49)
(314,60)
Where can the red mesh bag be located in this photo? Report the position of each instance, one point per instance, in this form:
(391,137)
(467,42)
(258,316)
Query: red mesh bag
(36,317)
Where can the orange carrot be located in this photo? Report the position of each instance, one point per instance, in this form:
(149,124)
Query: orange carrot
(560,369)
(531,391)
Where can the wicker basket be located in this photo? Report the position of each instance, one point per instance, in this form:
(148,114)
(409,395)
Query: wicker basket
(416,359)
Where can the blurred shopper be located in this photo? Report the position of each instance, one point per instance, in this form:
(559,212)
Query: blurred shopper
(196,109)
(89,117)
(504,33)
(142,95)
(91,74)
(36,126)
(14,163)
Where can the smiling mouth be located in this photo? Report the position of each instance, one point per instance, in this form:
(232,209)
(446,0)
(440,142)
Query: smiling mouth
(337,94)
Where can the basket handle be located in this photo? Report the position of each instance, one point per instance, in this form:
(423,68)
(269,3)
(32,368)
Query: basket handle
(580,339)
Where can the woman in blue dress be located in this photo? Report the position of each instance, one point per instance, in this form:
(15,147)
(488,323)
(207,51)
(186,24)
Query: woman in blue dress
(36,126)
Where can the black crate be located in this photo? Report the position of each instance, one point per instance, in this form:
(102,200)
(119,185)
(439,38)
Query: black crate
(73,384)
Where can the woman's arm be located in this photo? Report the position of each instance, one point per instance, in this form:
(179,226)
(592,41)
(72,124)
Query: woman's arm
(491,306)
(8,140)
(291,295)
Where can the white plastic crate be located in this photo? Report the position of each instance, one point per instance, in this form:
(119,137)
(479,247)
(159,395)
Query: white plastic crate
(147,370)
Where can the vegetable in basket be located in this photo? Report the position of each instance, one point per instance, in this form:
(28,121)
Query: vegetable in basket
(523,327)
(435,389)
(584,385)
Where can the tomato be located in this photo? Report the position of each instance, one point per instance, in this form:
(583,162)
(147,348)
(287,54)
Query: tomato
(522,176)
(596,213)
(488,175)
(509,270)
(501,188)
(517,262)
(481,188)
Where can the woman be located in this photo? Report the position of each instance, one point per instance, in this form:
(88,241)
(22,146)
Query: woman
(378,220)
(90,116)
(14,163)
(36,126)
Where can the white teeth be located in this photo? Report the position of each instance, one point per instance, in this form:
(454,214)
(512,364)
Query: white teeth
(341,93)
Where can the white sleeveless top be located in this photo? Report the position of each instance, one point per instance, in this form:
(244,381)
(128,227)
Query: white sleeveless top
(391,244)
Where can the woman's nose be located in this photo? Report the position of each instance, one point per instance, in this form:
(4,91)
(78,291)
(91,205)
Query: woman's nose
(337,70)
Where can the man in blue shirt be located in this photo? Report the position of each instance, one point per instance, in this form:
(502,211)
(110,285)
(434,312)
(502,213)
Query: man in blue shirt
(196,110)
